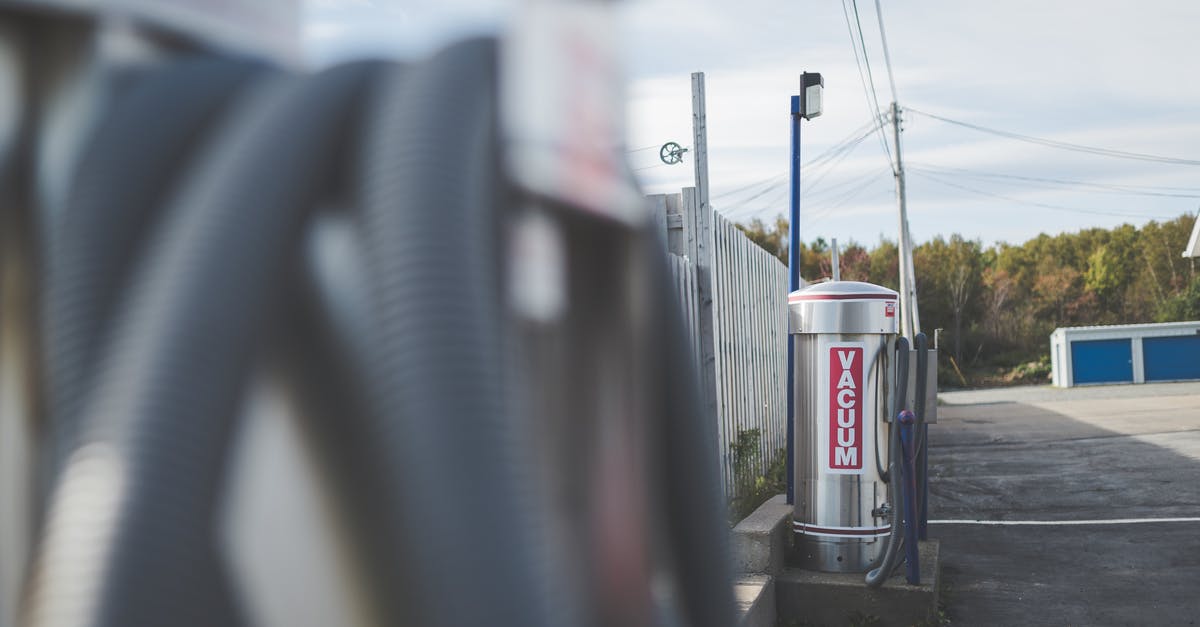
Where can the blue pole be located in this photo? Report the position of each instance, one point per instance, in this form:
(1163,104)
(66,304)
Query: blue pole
(793,285)
(909,479)
(923,473)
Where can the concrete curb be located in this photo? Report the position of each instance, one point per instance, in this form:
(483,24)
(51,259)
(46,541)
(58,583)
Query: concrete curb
(759,543)
(755,595)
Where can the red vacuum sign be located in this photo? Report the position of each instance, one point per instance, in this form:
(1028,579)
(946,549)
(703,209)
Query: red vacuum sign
(845,408)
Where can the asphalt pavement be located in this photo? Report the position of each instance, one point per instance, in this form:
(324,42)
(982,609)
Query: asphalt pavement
(1069,507)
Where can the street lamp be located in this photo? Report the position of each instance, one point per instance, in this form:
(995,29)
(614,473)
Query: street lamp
(811,88)
(807,105)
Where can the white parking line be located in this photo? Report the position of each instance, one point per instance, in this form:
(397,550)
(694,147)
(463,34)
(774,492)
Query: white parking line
(1109,521)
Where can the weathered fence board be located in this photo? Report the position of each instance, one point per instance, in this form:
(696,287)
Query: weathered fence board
(739,327)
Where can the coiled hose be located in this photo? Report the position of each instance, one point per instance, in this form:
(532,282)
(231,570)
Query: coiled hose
(876,576)
(128,537)
(161,288)
(145,144)
(436,396)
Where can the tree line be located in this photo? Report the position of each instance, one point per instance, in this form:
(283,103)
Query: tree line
(997,305)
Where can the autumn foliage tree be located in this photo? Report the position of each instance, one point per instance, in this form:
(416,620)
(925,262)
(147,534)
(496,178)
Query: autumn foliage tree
(998,304)
(949,280)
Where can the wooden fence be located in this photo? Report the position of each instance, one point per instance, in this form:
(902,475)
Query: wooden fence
(734,297)
(684,272)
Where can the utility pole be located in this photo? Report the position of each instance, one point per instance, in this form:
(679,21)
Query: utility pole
(700,139)
(910,320)
(835,263)
(703,219)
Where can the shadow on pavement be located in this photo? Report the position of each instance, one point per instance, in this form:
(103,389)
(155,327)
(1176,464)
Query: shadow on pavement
(1100,459)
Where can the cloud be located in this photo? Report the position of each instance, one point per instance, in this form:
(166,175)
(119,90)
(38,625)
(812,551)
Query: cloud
(318,5)
(1104,73)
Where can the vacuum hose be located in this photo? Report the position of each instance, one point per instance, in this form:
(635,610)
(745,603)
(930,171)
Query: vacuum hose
(191,209)
(436,393)
(153,431)
(145,144)
(876,576)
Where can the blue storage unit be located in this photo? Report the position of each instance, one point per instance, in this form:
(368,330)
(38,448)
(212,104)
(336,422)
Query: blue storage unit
(1102,361)
(1172,358)
(1125,353)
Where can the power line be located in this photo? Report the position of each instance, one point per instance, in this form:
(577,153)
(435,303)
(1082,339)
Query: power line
(940,180)
(862,184)
(866,58)
(841,147)
(770,179)
(872,99)
(747,211)
(834,197)
(838,196)
(762,193)
(816,217)
(1112,188)
(1052,143)
(833,164)
(887,58)
(831,167)
(745,208)
(910,320)
(828,157)
(820,195)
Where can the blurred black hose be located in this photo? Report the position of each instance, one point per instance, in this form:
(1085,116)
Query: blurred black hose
(130,165)
(130,537)
(461,548)
(169,330)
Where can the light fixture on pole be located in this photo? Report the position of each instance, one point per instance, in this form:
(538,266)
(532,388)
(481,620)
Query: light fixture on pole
(812,87)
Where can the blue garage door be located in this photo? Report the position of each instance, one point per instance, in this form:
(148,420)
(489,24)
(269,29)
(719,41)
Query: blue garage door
(1102,361)
(1172,358)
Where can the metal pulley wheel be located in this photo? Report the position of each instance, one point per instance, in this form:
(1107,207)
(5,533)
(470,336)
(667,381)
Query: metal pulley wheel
(671,153)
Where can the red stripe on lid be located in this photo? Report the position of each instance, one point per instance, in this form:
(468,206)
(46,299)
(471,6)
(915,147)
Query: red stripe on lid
(795,298)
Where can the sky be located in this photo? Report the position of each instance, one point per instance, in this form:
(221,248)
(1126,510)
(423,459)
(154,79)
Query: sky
(1111,75)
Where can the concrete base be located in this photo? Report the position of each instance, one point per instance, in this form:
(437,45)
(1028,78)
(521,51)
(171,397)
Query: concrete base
(760,541)
(812,598)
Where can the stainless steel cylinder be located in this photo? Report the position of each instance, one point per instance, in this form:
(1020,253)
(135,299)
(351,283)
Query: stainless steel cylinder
(841,332)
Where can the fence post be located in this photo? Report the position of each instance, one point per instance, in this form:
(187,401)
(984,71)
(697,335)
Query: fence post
(676,226)
(697,221)
(658,213)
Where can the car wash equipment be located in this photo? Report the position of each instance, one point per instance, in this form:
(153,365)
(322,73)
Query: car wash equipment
(841,332)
